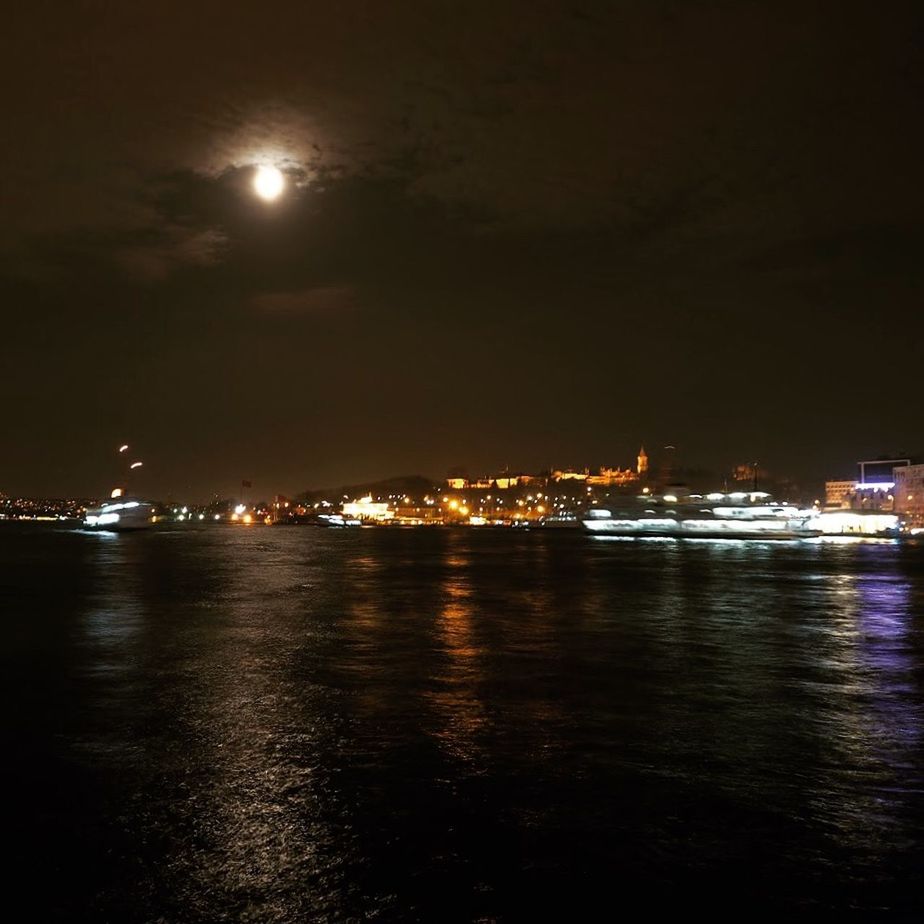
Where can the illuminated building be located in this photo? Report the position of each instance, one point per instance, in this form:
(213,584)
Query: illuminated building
(459,484)
(417,515)
(570,475)
(613,476)
(367,509)
(909,492)
(604,477)
(839,493)
(642,463)
(872,496)
(856,523)
(749,472)
(874,488)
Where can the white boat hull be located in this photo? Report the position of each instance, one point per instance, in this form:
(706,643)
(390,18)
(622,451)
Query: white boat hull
(767,521)
(121,516)
(701,529)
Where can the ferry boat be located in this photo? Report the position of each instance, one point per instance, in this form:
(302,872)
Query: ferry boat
(564,520)
(739,515)
(121,515)
(122,512)
(338,520)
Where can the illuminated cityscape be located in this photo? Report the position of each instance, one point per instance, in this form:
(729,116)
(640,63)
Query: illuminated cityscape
(556,498)
(460,462)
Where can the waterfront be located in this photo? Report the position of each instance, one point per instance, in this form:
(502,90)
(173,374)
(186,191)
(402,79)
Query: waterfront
(226,724)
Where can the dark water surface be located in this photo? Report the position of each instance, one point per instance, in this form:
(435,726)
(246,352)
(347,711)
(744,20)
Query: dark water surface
(299,724)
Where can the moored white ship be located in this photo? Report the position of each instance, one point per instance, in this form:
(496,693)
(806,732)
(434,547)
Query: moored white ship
(713,516)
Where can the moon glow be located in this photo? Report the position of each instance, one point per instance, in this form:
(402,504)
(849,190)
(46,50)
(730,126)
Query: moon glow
(268,183)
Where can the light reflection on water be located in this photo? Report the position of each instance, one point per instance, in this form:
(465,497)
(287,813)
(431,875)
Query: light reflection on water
(283,724)
(455,695)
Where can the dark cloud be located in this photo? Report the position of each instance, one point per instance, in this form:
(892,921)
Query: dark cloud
(311,301)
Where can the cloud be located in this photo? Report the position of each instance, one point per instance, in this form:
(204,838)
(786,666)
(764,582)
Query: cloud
(318,300)
(171,249)
(662,122)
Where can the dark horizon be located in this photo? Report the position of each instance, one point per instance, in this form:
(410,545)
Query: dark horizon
(512,235)
(109,472)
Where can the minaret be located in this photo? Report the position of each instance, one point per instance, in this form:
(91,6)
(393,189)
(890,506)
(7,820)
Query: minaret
(642,468)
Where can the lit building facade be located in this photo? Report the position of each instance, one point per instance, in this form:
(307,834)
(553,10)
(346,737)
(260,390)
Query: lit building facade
(909,492)
(882,485)
(367,509)
(839,493)
(875,487)
(613,476)
(501,481)
(570,475)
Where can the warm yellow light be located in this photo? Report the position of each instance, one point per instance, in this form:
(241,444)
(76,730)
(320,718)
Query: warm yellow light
(234,516)
(453,505)
(248,518)
(540,509)
(268,183)
(463,511)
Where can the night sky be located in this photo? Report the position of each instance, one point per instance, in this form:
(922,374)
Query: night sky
(515,234)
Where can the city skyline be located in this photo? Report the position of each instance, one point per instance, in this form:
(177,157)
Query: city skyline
(663,466)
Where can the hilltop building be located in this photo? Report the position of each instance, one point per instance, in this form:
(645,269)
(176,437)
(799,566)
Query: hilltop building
(613,476)
(570,475)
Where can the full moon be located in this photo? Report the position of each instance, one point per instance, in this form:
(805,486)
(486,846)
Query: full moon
(268,183)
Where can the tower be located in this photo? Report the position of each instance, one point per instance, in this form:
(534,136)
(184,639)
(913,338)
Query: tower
(642,467)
